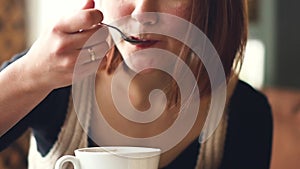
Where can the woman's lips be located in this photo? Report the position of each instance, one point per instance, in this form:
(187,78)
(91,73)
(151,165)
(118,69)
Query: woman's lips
(145,43)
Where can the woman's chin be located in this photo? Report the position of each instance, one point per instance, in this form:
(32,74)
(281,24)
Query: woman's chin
(141,69)
(141,65)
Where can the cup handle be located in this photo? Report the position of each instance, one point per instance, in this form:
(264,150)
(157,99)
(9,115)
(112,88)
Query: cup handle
(67,158)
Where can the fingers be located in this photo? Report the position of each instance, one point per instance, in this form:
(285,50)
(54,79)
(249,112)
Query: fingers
(82,20)
(93,53)
(95,36)
(83,40)
(67,29)
(89,4)
(89,60)
(57,51)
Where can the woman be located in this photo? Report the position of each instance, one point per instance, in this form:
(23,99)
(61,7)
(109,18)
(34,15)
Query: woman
(242,140)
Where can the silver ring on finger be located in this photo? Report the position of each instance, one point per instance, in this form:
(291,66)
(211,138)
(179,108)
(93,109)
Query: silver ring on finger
(92,54)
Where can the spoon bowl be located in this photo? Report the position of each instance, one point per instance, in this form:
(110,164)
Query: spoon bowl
(124,37)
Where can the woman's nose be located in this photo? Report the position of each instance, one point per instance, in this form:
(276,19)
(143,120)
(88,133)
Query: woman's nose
(145,12)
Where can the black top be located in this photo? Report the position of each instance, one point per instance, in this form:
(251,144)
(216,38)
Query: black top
(248,140)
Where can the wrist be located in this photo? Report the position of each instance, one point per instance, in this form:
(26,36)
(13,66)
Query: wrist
(29,77)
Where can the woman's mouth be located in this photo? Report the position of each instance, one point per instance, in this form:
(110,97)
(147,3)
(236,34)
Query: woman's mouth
(144,43)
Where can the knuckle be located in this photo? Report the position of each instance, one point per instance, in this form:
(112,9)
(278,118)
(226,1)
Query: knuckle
(65,66)
(58,49)
(69,62)
(92,17)
(87,18)
(60,46)
(99,15)
(56,29)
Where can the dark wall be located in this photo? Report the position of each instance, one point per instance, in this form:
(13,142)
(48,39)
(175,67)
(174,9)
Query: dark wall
(287,47)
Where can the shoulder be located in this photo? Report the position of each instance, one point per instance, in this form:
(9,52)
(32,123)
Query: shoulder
(249,132)
(249,110)
(245,95)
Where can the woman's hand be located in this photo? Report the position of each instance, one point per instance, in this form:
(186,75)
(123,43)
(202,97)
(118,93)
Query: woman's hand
(50,61)
(49,64)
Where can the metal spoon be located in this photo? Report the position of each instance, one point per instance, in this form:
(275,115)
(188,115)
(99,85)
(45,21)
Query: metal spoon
(124,37)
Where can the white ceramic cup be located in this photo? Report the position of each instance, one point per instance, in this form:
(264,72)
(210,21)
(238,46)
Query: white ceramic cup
(114,157)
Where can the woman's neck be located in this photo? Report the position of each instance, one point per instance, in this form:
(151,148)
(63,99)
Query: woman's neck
(138,93)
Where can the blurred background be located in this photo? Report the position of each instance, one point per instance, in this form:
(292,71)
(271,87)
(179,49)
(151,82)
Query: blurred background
(271,64)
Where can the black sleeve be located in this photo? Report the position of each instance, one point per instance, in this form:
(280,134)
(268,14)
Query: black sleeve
(13,59)
(45,119)
(14,133)
(249,134)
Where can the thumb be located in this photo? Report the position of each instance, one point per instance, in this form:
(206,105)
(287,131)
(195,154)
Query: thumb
(89,4)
